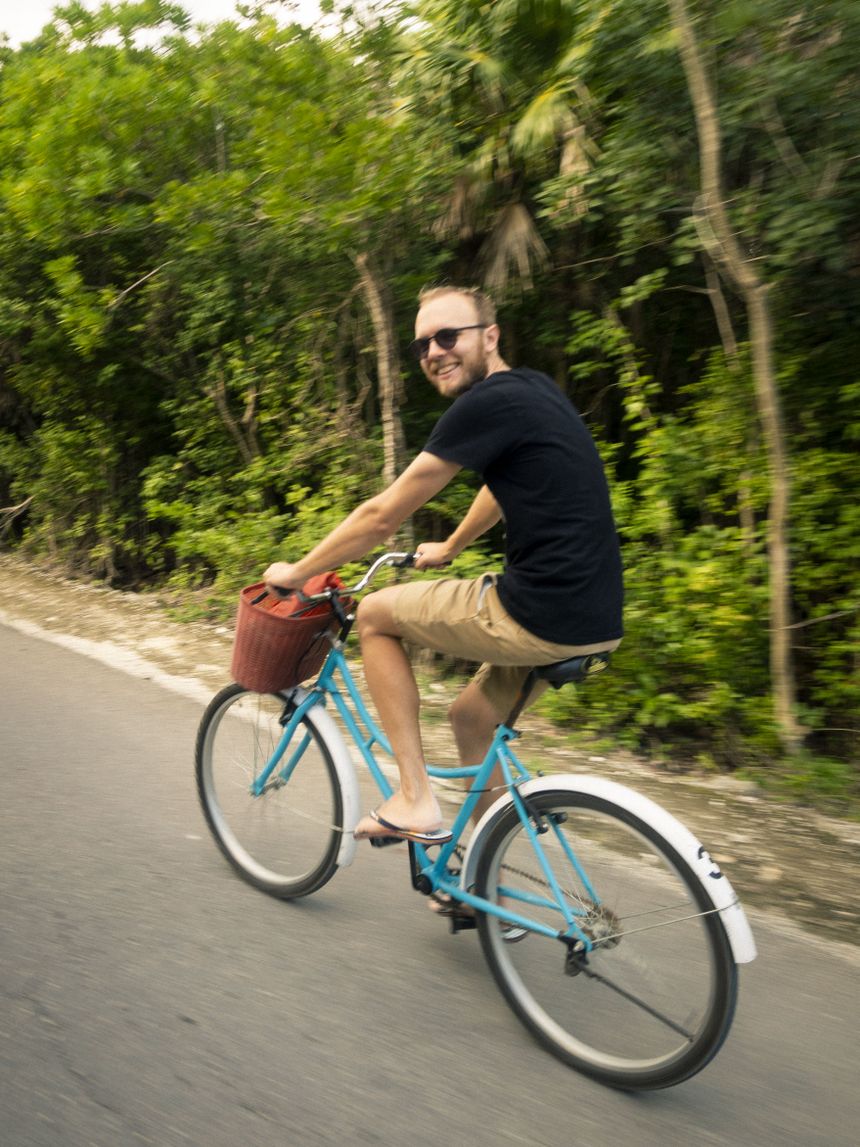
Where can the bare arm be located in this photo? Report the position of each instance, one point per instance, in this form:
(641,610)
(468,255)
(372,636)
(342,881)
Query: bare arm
(370,523)
(483,513)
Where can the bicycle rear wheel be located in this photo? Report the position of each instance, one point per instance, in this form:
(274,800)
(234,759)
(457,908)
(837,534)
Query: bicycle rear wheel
(286,840)
(651,1004)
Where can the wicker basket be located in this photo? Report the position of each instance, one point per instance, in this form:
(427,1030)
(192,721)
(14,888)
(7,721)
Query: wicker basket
(280,641)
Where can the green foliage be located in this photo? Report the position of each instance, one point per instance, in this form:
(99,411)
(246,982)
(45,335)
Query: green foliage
(188,371)
(693,667)
(86,521)
(826,783)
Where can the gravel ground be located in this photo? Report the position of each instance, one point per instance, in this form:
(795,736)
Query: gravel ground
(785,860)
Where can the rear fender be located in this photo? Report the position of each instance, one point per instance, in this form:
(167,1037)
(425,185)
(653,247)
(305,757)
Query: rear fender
(716,885)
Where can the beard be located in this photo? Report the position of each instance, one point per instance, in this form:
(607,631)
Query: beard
(473,368)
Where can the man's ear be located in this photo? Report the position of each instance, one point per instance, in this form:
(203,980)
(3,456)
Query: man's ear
(491,337)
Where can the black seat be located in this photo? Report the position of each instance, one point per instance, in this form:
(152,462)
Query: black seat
(573,669)
(568,672)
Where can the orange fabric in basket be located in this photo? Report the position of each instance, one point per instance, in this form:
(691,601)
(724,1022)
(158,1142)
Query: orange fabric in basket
(286,606)
(315,584)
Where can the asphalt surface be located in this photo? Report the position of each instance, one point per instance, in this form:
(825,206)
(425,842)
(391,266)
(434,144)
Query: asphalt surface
(147,996)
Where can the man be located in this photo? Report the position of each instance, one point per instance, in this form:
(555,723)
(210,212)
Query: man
(560,593)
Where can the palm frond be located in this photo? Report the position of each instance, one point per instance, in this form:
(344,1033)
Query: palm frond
(462,208)
(544,121)
(513,246)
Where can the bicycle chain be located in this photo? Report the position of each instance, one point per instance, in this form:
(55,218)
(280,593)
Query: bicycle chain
(460,854)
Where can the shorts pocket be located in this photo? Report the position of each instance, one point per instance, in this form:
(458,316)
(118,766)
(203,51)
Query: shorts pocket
(510,639)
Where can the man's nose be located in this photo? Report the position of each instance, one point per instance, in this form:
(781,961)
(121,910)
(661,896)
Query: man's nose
(434,350)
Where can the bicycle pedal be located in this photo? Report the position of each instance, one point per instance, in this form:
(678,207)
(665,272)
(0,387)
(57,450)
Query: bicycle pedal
(462,923)
(385,841)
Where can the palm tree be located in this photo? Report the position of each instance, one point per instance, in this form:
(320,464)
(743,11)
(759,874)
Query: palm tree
(508,72)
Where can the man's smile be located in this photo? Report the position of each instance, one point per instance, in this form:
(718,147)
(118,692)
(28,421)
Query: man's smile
(446,369)
(445,374)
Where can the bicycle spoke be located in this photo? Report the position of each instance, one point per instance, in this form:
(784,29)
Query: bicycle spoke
(592,975)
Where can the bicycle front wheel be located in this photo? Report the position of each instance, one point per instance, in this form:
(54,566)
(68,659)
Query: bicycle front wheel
(285,840)
(653,1000)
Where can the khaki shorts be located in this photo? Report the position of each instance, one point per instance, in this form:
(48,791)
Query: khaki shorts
(466,619)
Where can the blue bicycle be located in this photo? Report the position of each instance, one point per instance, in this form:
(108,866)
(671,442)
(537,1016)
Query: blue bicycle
(609,929)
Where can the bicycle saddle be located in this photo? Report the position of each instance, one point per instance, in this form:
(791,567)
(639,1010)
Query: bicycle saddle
(573,669)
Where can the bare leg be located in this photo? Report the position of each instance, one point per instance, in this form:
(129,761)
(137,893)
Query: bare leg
(392,687)
(474,721)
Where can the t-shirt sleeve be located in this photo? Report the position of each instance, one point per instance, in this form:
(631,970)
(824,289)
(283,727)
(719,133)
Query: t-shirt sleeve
(476,430)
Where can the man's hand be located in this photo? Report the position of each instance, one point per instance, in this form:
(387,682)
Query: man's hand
(433,555)
(283,575)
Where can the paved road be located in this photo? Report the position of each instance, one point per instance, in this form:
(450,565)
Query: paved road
(149,997)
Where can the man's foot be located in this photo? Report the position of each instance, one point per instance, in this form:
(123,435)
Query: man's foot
(366,830)
(441,904)
(406,820)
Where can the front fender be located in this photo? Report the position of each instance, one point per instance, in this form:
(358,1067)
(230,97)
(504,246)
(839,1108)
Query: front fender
(328,730)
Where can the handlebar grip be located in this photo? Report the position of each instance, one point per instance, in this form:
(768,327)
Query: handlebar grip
(405,562)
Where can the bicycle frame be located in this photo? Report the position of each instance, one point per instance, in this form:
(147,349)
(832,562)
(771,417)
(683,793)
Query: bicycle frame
(434,875)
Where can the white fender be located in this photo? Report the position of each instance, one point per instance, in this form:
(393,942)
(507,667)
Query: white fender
(717,887)
(325,725)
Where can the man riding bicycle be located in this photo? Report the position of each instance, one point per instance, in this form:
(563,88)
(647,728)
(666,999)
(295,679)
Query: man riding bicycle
(560,594)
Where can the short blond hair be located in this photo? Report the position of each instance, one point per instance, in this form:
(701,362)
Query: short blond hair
(485,308)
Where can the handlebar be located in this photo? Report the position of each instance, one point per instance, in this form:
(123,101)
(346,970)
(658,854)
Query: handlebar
(400,560)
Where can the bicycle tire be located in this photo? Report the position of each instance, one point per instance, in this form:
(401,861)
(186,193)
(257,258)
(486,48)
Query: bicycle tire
(285,841)
(656,938)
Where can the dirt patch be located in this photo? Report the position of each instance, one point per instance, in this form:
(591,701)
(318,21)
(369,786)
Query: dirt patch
(782,859)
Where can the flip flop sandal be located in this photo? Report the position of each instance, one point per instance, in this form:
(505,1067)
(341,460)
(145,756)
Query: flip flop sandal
(397,833)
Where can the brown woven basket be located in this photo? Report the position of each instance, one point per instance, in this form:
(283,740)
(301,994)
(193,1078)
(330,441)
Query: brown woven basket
(275,646)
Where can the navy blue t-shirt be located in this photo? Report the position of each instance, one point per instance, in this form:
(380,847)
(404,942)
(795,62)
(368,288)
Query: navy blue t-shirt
(562,577)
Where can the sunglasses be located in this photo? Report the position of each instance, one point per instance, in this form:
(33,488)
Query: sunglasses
(446,339)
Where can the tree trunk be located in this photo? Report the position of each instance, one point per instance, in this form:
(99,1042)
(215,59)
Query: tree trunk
(244,432)
(8,514)
(390,379)
(746,515)
(719,240)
